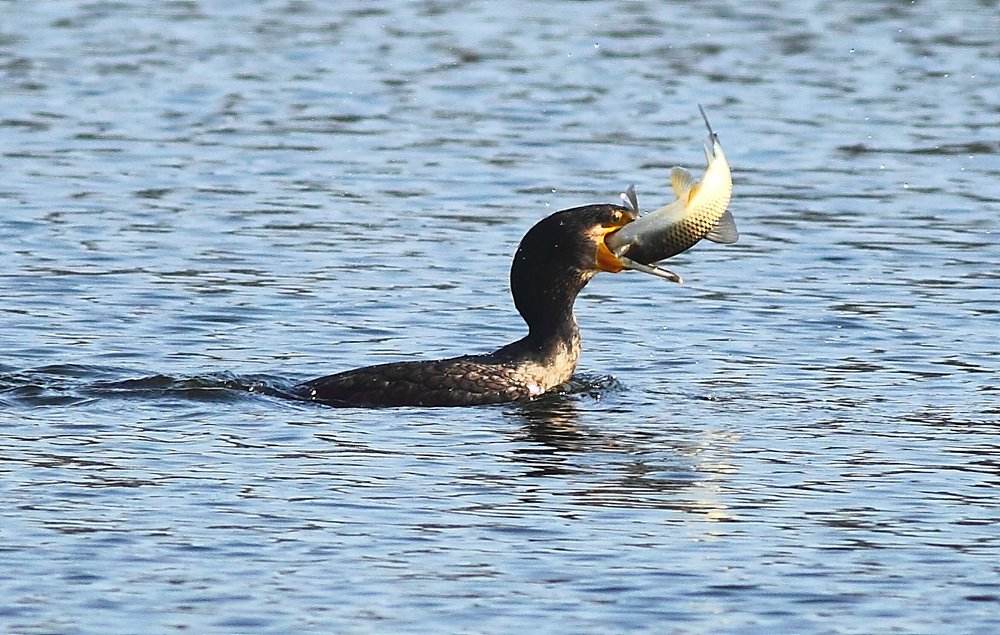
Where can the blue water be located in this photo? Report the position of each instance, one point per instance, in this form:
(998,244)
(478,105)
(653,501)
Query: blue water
(204,202)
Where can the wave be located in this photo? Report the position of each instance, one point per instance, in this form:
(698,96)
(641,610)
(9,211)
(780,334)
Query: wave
(69,384)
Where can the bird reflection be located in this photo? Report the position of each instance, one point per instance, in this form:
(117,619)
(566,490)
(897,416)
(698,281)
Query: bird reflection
(553,424)
(669,467)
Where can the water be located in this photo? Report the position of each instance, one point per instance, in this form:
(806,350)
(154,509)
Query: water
(203,202)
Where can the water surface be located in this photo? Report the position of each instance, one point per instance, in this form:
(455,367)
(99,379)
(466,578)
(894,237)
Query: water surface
(206,201)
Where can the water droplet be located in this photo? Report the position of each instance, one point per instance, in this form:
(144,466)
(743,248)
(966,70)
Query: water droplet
(597,45)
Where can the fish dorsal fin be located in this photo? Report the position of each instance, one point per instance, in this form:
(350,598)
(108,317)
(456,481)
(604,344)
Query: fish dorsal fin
(681,180)
(725,231)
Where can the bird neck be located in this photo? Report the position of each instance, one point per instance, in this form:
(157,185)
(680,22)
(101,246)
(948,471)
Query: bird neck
(547,274)
(555,324)
(553,340)
(545,302)
(547,356)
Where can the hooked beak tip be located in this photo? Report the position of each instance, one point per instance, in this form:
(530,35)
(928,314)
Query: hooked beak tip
(652,270)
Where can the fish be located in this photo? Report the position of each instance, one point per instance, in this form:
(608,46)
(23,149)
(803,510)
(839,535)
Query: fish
(700,211)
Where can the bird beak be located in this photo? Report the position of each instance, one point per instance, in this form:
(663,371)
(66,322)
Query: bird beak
(652,270)
(608,261)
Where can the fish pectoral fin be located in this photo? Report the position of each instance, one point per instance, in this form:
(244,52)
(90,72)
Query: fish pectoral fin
(681,181)
(725,231)
(630,200)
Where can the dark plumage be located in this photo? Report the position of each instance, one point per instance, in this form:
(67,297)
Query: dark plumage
(555,260)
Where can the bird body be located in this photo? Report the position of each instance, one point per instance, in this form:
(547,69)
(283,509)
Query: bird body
(507,375)
(554,261)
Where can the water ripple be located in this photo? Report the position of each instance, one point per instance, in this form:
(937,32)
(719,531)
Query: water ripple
(207,202)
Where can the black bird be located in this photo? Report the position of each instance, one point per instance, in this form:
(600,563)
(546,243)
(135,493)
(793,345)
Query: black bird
(555,260)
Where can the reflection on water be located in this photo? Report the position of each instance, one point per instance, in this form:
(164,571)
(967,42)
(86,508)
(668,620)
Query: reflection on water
(680,475)
(205,203)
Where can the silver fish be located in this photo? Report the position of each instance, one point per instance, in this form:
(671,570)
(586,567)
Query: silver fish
(700,211)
